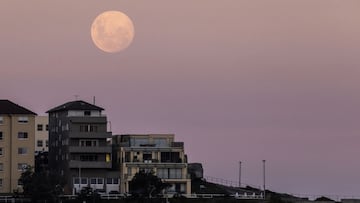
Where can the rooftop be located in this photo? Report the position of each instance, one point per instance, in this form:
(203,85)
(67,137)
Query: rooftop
(75,105)
(9,107)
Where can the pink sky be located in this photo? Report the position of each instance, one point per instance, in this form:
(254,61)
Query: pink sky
(235,80)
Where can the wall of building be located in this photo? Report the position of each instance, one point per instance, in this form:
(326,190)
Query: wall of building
(41,134)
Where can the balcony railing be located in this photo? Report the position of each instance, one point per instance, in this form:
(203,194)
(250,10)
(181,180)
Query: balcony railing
(98,149)
(89,164)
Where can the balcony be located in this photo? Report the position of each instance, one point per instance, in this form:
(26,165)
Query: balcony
(99,149)
(155,165)
(90,135)
(88,120)
(89,164)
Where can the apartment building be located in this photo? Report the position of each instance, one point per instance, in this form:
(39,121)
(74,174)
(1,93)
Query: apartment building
(41,134)
(152,152)
(78,147)
(17,137)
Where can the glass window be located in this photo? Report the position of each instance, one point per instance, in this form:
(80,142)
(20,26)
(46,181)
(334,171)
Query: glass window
(108,180)
(87,113)
(22,166)
(47,127)
(22,150)
(39,143)
(1,120)
(83,180)
(40,127)
(93,181)
(100,181)
(1,135)
(23,119)
(1,182)
(22,135)
(116,181)
(1,151)
(47,143)
(1,167)
(76,180)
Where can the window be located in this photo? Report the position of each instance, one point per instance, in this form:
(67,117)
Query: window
(22,166)
(1,120)
(40,127)
(22,135)
(1,167)
(93,181)
(112,181)
(1,151)
(116,181)
(87,113)
(88,128)
(83,180)
(88,143)
(109,181)
(20,182)
(1,135)
(22,150)
(1,182)
(39,143)
(47,143)
(100,181)
(88,157)
(23,119)
(76,180)
(47,127)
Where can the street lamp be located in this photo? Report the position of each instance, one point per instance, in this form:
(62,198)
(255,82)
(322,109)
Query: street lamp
(239,173)
(264,177)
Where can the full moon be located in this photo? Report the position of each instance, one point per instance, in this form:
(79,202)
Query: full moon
(112,31)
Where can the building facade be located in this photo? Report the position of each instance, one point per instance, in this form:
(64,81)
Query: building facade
(41,134)
(158,153)
(17,137)
(79,149)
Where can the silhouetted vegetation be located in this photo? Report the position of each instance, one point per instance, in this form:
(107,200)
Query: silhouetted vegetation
(146,184)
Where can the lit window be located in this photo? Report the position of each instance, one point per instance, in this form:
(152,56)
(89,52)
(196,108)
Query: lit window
(40,127)
(22,150)
(23,119)
(22,135)
(39,143)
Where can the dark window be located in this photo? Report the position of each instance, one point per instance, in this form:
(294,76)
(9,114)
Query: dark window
(40,127)
(116,181)
(22,150)
(93,181)
(1,135)
(87,113)
(39,143)
(170,157)
(76,180)
(47,127)
(88,157)
(108,180)
(147,156)
(83,180)
(100,181)
(47,143)
(22,135)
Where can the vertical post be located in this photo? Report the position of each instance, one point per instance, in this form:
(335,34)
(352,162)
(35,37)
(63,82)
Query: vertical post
(239,173)
(264,177)
(79,178)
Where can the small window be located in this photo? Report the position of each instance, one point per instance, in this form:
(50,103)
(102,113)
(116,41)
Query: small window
(93,181)
(76,180)
(40,127)
(1,135)
(22,166)
(87,113)
(22,150)
(39,143)
(1,151)
(47,143)
(109,181)
(1,182)
(100,181)
(1,167)
(47,127)
(23,119)
(116,181)
(1,120)
(22,135)
(84,181)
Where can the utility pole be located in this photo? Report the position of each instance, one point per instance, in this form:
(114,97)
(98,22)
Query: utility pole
(264,178)
(239,173)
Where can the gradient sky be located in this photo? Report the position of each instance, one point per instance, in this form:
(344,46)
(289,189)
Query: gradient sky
(234,79)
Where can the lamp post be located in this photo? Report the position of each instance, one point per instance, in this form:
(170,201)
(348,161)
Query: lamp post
(264,177)
(239,174)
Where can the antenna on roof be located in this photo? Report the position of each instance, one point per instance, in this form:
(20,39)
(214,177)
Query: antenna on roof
(76,96)
(94,100)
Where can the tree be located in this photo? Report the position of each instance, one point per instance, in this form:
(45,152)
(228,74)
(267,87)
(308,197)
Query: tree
(40,185)
(146,184)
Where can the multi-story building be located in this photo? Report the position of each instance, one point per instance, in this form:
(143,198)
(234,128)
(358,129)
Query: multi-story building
(79,149)
(17,135)
(158,153)
(41,134)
